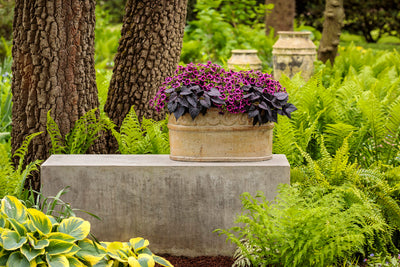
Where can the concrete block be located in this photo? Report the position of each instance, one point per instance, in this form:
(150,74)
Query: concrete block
(175,205)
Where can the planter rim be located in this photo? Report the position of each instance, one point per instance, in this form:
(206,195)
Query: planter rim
(294,33)
(249,51)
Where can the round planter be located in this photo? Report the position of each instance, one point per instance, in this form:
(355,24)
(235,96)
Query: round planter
(219,137)
(244,59)
(293,52)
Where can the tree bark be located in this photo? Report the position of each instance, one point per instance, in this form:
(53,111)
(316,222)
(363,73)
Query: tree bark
(148,52)
(334,17)
(53,68)
(282,16)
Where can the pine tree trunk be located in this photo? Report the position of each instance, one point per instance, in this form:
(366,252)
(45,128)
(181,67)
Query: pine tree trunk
(282,16)
(148,52)
(53,68)
(334,16)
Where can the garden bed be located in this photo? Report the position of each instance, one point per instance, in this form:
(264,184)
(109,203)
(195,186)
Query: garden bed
(201,261)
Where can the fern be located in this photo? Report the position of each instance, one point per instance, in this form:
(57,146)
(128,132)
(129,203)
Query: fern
(150,137)
(57,141)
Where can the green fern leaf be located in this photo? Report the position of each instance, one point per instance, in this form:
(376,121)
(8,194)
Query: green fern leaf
(57,146)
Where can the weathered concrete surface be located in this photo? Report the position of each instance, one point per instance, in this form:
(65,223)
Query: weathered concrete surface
(175,205)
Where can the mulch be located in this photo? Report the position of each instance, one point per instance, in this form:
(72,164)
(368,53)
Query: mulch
(202,261)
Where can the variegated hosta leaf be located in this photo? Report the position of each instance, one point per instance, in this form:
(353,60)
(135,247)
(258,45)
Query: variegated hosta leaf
(3,221)
(74,262)
(13,208)
(57,247)
(90,252)
(118,251)
(145,260)
(30,253)
(37,244)
(138,243)
(57,261)
(60,236)
(76,227)
(162,261)
(18,227)
(133,262)
(17,259)
(40,221)
(12,240)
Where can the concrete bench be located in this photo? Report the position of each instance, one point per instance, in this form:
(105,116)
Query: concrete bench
(175,205)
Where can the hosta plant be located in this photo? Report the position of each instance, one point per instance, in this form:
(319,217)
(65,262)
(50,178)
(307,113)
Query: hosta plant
(28,237)
(196,88)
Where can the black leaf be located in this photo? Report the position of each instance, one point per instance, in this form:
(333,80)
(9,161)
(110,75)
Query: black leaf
(288,109)
(263,105)
(195,88)
(248,95)
(213,92)
(258,89)
(170,90)
(254,97)
(173,96)
(253,113)
(192,100)
(281,96)
(246,88)
(217,100)
(172,106)
(205,101)
(186,91)
(193,111)
(183,102)
(179,112)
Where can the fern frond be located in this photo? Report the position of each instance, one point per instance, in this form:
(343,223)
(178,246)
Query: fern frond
(131,133)
(23,149)
(57,142)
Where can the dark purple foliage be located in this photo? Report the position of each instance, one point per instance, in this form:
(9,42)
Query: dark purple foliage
(195,88)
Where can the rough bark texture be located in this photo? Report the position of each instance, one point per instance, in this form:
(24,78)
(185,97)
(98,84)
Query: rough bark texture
(282,16)
(334,17)
(53,68)
(148,52)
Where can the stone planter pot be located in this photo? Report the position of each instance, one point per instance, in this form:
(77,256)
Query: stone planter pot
(244,59)
(293,52)
(216,137)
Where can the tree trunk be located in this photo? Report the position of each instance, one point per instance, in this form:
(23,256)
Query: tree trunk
(282,16)
(148,52)
(53,68)
(334,17)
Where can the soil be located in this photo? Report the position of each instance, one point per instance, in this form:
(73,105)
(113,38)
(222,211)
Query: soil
(202,261)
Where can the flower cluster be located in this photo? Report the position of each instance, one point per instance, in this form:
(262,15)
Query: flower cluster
(229,91)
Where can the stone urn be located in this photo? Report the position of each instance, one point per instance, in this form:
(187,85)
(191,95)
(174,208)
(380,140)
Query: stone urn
(244,60)
(294,52)
(219,137)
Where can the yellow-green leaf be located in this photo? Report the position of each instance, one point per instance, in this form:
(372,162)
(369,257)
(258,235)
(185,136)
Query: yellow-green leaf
(40,221)
(12,240)
(3,221)
(76,227)
(138,243)
(37,244)
(57,261)
(146,260)
(74,262)
(162,261)
(18,227)
(17,259)
(30,253)
(57,247)
(60,236)
(13,208)
(133,262)
(90,252)
(118,251)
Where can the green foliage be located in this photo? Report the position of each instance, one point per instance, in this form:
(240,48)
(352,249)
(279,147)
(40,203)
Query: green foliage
(5,100)
(86,131)
(222,26)
(12,180)
(6,15)
(149,137)
(359,94)
(312,227)
(28,237)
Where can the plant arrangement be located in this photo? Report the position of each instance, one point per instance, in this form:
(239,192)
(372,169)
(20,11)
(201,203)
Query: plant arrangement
(197,87)
(28,237)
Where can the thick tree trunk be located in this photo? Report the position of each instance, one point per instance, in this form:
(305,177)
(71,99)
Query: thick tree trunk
(53,68)
(282,16)
(148,52)
(334,16)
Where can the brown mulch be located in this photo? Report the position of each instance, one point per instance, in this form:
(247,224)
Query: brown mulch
(202,261)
